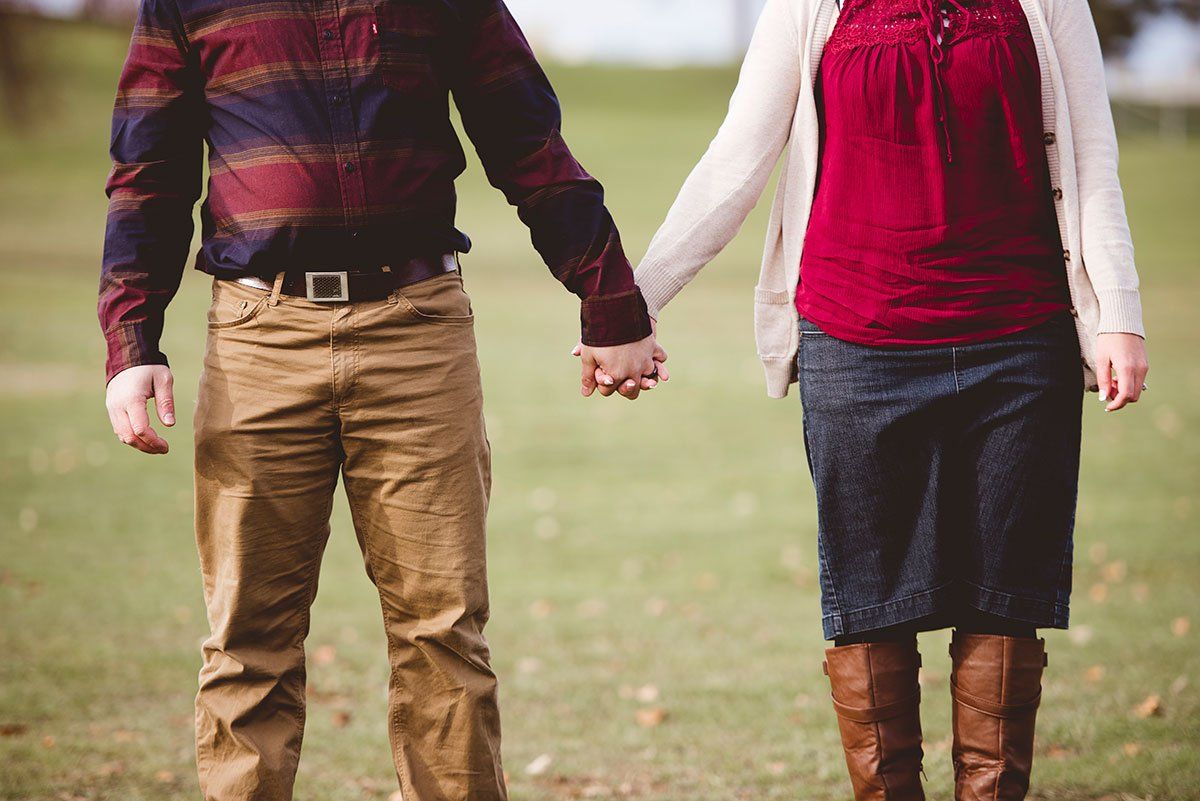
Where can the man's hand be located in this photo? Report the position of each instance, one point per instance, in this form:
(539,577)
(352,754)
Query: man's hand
(128,393)
(1121,366)
(627,369)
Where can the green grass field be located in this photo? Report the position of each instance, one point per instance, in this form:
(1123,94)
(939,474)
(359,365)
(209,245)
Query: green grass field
(647,559)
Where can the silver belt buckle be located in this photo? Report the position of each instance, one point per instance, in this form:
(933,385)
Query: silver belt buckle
(327,287)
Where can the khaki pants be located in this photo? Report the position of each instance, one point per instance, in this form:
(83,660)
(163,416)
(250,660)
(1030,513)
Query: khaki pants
(387,393)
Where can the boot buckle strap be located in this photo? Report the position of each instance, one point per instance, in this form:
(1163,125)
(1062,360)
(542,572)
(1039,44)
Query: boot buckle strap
(992,708)
(876,714)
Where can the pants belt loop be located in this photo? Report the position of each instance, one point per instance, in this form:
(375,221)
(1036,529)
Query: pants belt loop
(276,290)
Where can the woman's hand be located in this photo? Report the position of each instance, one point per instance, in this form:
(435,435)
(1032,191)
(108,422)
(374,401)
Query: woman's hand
(1121,366)
(597,378)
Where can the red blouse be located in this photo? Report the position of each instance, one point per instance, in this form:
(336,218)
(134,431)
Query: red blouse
(934,219)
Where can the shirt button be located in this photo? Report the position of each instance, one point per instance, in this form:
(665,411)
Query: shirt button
(350,166)
(1049,138)
(327,34)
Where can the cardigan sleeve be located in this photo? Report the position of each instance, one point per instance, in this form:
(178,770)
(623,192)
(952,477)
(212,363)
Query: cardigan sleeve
(1107,244)
(730,178)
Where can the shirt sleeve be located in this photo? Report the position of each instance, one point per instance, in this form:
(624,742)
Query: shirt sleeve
(512,116)
(157,152)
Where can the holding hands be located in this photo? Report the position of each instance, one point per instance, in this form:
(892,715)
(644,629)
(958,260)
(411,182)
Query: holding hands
(627,369)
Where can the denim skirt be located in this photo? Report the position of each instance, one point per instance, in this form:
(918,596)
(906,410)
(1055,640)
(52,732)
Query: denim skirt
(946,476)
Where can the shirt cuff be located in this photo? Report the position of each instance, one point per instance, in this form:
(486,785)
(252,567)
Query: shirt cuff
(609,320)
(130,345)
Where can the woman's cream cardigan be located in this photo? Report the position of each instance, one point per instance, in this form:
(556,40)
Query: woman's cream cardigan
(773,110)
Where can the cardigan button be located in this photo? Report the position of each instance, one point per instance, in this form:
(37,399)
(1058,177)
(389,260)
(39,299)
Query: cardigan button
(1066,255)
(1057,193)
(1074,312)
(1049,138)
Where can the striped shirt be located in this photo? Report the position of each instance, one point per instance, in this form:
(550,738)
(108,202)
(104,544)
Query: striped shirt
(330,146)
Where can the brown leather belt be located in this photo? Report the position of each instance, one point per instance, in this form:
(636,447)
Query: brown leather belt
(356,286)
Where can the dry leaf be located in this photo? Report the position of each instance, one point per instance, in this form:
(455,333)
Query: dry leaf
(1098,593)
(651,716)
(165,776)
(539,765)
(930,678)
(647,694)
(325,655)
(706,582)
(124,736)
(341,719)
(655,607)
(12,729)
(110,769)
(1058,752)
(546,528)
(1094,674)
(1180,626)
(595,791)
(48,741)
(530,664)
(1151,707)
(1131,749)
(1081,635)
(776,768)
(1115,572)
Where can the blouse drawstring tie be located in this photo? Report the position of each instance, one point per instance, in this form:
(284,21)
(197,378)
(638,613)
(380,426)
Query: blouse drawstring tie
(938,36)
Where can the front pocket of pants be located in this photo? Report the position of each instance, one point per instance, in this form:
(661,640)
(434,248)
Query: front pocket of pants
(441,299)
(223,314)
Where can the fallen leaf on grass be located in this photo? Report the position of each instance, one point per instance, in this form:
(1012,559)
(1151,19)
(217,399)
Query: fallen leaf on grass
(1094,674)
(325,655)
(539,765)
(341,719)
(12,729)
(1131,749)
(1151,707)
(776,768)
(647,694)
(165,776)
(1081,635)
(1058,752)
(48,741)
(651,717)
(1115,572)
(1098,593)
(1180,626)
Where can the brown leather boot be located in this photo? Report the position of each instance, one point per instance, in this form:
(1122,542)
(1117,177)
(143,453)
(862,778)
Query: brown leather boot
(997,685)
(878,703)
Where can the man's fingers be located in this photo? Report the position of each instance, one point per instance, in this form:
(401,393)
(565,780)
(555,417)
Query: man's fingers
(139,424)
(124,431)
(663,373)
(587,378)
(164,398)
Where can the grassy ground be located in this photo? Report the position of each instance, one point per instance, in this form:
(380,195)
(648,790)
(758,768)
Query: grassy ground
(647,559)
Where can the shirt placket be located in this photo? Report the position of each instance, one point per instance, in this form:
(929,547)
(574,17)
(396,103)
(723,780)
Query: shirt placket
(343,126)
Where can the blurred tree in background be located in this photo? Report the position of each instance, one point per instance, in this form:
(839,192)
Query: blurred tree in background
(1117,20)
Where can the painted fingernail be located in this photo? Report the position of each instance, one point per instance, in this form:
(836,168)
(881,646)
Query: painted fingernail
(608,382)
